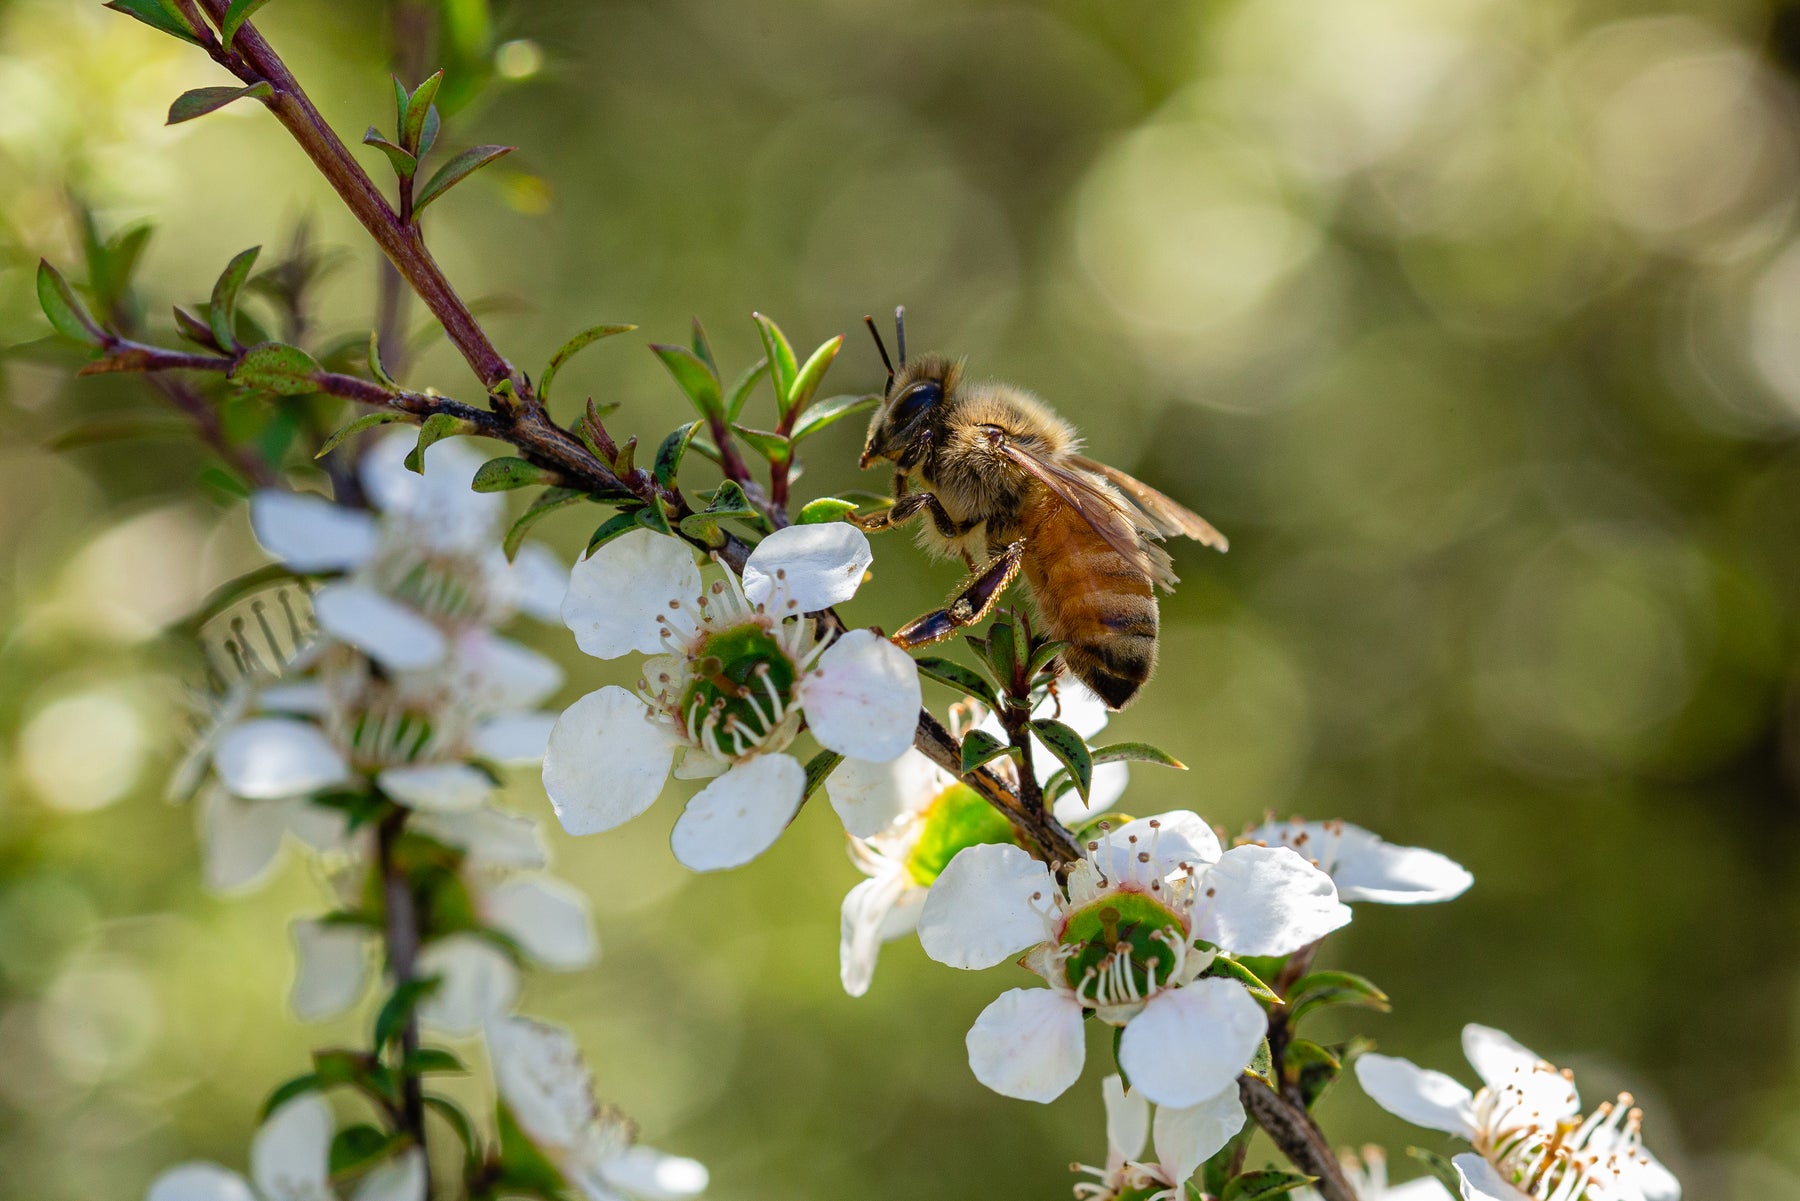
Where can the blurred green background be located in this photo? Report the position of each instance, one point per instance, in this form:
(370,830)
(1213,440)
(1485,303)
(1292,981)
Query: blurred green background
(1475,323)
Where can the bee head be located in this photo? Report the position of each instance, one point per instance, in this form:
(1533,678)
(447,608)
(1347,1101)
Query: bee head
(901,427)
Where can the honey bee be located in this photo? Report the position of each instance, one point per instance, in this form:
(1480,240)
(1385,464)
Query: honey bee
(1003,481)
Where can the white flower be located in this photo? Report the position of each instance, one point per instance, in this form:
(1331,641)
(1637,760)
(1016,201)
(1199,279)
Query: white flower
(1078,708)
(549,1091)
(1363,866)
(733,670)
(1141,918)
(425,568)
(290,1161)
(1369,1181)
(1525,1125)
(1183,1138)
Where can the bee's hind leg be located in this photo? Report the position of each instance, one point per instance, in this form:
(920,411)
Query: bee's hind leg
(968,606)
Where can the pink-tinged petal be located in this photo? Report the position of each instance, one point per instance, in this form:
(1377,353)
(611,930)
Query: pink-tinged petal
(266,758)
(309,533)
(739,815)
(1028,1044)
(199,1182)
(645,1172)
(1189,1044)
(399,1179)
(1187,1137)
(1480,1182)
(1422,1097)
(290,1155)
(869,795)
(382,628)
(617,593)
(878,909)
(331,968)
(547,918)
(1127,1120)
(606,761)
(862,697)
(540,581)
(478,983)
(1268,901)
(989,903)
(805,568)
(437,787)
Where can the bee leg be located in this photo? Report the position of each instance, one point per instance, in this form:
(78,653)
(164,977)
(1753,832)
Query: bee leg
(968,606)
(908,507)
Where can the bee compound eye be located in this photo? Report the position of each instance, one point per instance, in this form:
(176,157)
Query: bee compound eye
(918,400)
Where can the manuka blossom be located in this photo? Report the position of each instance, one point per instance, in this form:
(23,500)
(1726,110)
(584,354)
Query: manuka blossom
(1183,1139)
(1530,1140)
(549,1092)
(734,669)
(1365,867)
(1128,939)
(290,1160)
(1368,1177)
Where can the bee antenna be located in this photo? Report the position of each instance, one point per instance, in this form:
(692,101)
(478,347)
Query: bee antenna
(879,345)
(900,331)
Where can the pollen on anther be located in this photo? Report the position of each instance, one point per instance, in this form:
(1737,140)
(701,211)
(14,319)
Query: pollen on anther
(1143,856)
(1212,892)
(674,604)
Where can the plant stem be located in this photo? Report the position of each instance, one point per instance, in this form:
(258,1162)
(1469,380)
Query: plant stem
(401,934)
(1293,1130)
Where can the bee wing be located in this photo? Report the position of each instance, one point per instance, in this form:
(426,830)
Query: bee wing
(1115,519)
(1167,515)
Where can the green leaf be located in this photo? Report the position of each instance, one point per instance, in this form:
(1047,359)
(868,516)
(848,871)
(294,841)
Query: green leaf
(1231,969)
(194,329)
(434,428)
(335,1065)
(694,377)
(978,747)
(287,1090)
(111,266)
(1002,652)
(406,164)
(1441,1168)
(830,410)
(703,348)
(1136,752)
(772,447)
(457,1119)
(273,367)
(158,14)
(622,522)
(1312,1067)
(1265,1183)
(428,134)
(551,500)
(391,1020)
(431,1059)
(586,337)
(376,368)
(780,357)
(963,679)
(368,422)
(1318,990)
(1262,1064)
(200,101)
(221,312)
(1041,656)
(818,768)
(811,372)
(652,517)
(235,16)
(68,316)
(728,500)
(455,171)
(412,119)
(824,509)
(1067,746)
(506,473)
(670,453)
(742,387)
(360,1146)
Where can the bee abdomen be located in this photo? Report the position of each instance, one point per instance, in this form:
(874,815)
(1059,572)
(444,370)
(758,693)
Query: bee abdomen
(1093,599)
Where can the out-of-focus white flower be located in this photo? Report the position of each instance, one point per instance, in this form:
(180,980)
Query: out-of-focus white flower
(1141,919)
(1368,1178)
(1365,867)
(290,1160)
(1525,1125)
(1183,1140)
(548,1090)
(733,670)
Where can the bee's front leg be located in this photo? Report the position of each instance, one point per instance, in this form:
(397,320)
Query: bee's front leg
(908,507)
(968,606)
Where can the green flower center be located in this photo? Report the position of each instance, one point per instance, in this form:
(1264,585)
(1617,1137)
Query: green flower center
(1127,947)
(740,689)
(956,818)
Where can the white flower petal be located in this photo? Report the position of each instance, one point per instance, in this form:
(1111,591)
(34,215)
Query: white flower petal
(616,594)
(1187,1137)
(401,1178)
(1189,1044)
(289,1157)
(497,674)
(1076,706)
(1366,867)
(516,738)
(648,1173)
(199,1182)
(320,828)
(1424,1098)
(989,903)
(739,815)
(606,761)
(547,918)
(696,764)
(1480,1182)
(437,787)
(479,983)
(862,697)
(1127,1120)
(868,795)
(241,839)
(492,837)
(1176,839)
(805,568)
(309,533)
(439,504)
(1653,1180)
(1497,1057)
(876,910)
(540,581)
(306,698)
(269,757)
(1108,785)
(382,628)
(539,1073)
(1268,901)
(1028,1044)
(331,967)
(1424,1188)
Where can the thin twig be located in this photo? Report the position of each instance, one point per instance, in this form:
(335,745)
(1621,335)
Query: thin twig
(401,933)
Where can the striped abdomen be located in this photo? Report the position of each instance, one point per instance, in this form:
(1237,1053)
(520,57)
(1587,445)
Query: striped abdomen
(1091,597)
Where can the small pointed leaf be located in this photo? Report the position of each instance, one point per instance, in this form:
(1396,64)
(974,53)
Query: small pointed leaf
(405,163)
(818,768)
(1136,752)
(586,337)
(742,387)
(694,377)
(367,422)
(376,368)
(1319,990)
(412,120)
(670,453)
(831,410)
(964,679)
(68,316)
(1067,746)
(622,522)
(235,16)
(274,367)
(780,356)
(434,428)
(1265,1184)
(809,374)
(506,473)
(195,329)
(200,101)
(978,747)
(1231,969)
(551,500)
(826,508)
(287,1090)
(158,14)
(455,171)
(772,447)
(222,312)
